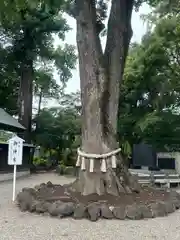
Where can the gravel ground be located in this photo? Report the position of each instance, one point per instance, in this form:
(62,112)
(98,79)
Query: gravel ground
(15,225)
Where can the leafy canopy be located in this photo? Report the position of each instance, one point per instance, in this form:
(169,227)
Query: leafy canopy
(150,93)
(26,29)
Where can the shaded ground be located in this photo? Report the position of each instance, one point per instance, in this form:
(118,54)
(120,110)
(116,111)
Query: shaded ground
(22,226)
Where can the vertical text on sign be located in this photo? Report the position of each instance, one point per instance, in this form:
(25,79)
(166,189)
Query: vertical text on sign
(15,151)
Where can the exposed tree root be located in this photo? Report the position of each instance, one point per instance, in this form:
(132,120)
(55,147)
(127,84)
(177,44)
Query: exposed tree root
(104,183)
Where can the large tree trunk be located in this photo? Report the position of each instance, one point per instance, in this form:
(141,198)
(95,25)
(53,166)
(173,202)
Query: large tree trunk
(39,103)
(100,77)
(39,110)
(25,98)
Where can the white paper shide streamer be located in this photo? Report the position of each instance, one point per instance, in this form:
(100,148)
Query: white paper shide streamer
(78,163)
(83,165)
(103,166)
(82,157)
(113,161)
(91,165)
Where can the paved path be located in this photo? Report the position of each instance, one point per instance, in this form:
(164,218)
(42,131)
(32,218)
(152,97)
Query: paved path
(15,225)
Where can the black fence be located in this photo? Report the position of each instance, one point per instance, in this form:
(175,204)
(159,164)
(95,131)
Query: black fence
(145,155)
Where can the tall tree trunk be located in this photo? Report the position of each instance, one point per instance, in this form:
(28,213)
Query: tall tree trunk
(39,103)
(25,98)
(36,126)
(39,110)
(100,77)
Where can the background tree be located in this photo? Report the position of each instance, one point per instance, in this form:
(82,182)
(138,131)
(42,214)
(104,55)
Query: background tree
(149,99)
(45,88)
(9,84)
(27,28)
(58,128)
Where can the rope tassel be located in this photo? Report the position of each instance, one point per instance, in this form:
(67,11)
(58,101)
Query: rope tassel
(103,165)
(78,163)
(91,165)
(113,161)
(83,166)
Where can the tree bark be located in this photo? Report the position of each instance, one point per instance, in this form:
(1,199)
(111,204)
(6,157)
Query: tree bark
(100,77)
(39,103)
(25,98)
(118,39)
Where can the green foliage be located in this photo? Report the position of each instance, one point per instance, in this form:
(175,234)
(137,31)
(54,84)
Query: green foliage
(65,59)
(28,54)
(168,4)
(59,129)
(150,93)
(45,84)
(61,169)
(5,136)
(126,148)
(53,129)
(9,83)
(69,157)
(148,120)
(26,29)
(45,87)
(39,161)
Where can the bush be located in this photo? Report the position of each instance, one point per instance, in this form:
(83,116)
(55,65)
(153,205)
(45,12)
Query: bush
(41,162)
(61,169)
(69,157)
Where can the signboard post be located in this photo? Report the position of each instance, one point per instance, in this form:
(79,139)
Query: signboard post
(15,153)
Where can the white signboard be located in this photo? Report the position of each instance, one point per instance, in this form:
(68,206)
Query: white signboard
(15,151)
(15,154)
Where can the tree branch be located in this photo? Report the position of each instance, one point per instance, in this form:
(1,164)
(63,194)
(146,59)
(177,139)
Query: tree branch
(88,40)
(86,18)
(118,38)
(119,31)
